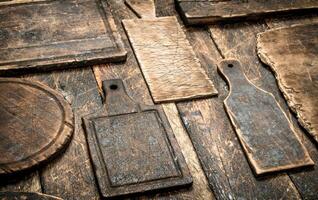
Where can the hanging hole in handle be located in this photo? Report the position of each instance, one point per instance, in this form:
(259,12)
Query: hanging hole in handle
(230,65)
(113,87)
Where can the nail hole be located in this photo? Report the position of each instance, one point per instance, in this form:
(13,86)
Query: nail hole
(230,65)
(113,87)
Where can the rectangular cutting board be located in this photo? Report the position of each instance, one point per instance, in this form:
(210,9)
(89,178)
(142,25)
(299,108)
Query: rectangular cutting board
(167,60)
(133,148)
(292,53)
(210,11)
(51,34)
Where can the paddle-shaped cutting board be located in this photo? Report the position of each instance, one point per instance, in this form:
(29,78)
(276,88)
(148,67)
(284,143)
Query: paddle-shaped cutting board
(52,34)
(262,127)
(35,123)
(133,148)
(211,11)
(292,53)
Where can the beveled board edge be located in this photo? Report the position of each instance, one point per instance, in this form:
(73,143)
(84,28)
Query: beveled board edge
(64,137)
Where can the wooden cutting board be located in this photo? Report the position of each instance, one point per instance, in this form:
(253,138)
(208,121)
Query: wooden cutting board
(266,135)
(211,11)
(132,147)
(35,124)
(168,62)
(142,8)
(292,53)
(26,196)
(52,34)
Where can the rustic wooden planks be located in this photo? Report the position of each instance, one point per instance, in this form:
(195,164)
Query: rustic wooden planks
(261,126)
(35,124)
(167,60)
(26,196)
(52,34)
(133,148)
(210,11)
(142,8)
(292,55)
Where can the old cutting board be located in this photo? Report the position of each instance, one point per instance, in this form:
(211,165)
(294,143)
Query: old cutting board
(142,8)
(292,53)
(262,127)
(132,147)
(167,60)
(210,11)
(26,196)
(51,34)
(35,124)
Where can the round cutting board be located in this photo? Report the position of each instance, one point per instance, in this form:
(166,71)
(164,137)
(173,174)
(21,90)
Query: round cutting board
(35,124)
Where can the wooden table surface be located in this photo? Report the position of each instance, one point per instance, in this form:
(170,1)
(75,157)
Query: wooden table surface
(207,139)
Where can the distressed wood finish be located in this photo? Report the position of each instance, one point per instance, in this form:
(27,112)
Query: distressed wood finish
(292,55)
(57,33)
(35,124)
(262,127)
(142,8)
(211,11)
(133,148)
(167,61)
(26,196)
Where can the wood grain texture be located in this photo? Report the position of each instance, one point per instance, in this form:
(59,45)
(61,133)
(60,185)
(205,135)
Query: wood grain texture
(57,33)
(263,129)
(211,11)
(142,8)
(167,60)
(292,55)
(132,147)
(36,123)
(26,196)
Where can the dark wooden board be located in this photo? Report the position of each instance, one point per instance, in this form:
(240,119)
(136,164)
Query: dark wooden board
(211,11)
(132,147)
(167,61)
(292,54)
(26,196)
(35,124)
(52,34)
(262,127)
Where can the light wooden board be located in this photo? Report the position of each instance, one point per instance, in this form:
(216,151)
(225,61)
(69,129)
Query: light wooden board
(292,55)
(53,34)
(167,60)
(262,127)
(211,11)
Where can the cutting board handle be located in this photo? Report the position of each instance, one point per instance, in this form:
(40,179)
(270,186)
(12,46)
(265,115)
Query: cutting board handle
(116,99)
(231,69)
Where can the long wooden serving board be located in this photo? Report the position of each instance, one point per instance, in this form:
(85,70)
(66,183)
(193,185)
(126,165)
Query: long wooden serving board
(261,125)
(167,61)
(211,11)
(133,148)
(292,53)
(54,33)
(35,124)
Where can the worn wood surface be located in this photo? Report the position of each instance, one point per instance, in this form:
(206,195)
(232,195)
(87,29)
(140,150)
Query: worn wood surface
(167,60)
(142,8)
(292,55)
(35,124)
(132,147)
(211,11)
(57,33)
(26,196)
(263,129)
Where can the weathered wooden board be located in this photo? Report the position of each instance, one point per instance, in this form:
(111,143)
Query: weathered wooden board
(51,34)
(142,8)
(292,55)
(263,129)
(35,124)
(132,147)
(210,11)
(26,196)
(167,60)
